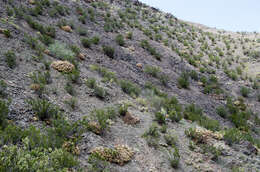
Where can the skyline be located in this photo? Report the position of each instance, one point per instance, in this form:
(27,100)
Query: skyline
(221,14)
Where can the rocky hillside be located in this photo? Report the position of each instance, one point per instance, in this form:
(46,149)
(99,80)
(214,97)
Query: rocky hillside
(116,85)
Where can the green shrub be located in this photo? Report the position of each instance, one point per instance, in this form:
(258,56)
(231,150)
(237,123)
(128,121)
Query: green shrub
(72,102)
(152,70)
(258,97)
(152,131)
(41,77)
(7,33)
(101,116)
(129,35)
(120,40)
(104,72)
(61,51)
(69,88)
(3,87)
(129,88)
(174,158)
(43,109)
(170,139)
(123,109)
(86,42)
(175,116)
(164,79)
(14,158)
(232,136)
(240,120)
(160,117)
(95,40)
(75,49)
(45,39)
(10,59)
(109,51)
(100,92)
(194,113)
(244,91)
(145,44)
(194,75)
(4,110)
(183,80)
(91,82)
(74,76)
(221,111)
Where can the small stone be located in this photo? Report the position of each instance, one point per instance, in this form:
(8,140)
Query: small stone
(130,119)
(66,28)
(31,2)
(81,56)
(46,51)
(139,65)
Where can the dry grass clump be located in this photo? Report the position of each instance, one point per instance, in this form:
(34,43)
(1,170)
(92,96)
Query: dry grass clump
(63,66)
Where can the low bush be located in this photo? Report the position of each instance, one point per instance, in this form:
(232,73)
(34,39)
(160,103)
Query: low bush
(120,40)
(160,117)
(62,52)
(3,87)
(123,109)
(145,44)
(183,80)
(10,59)
(104,72)
(175,116)
(221,111)
(171,140)
(233,136)
(153,71)
(244,91)
(174,158)
(86,42)
(129,88)
(69,88)
(91,82)
(4,110)
(109,51)
(72,102)
(43,109)
(100,92)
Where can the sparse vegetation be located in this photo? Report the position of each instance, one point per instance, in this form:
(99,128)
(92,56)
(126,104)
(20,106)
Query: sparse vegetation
(10,59)
(109,51)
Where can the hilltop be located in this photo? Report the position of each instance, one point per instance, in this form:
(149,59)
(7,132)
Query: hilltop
(111,85)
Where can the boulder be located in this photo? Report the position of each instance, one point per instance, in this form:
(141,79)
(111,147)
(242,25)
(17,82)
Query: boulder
(66,28)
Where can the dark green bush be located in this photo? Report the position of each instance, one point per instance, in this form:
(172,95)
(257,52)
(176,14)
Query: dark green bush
(10,59)
(44,109)
(160,117)
(109,51)
(3,87)
(175,116)
(153,71)
(183,80)
(69,88)
(233,136)
(95,40)
(86,42)
(7,33)
(170,139)
(221,111)
(100,92)
(4,110)
(120,40)
(47,40)
(91,82)
(123,109)
(130,88)
(245,91)
(194,75)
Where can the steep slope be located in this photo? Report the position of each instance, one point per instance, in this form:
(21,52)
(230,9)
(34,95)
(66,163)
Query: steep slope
(121,86)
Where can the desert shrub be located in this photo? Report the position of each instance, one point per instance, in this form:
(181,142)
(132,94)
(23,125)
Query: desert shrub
(10,59)
(221,111)
(100,92)
(61,51)
(69,88)
(95,40)
(3,87)
(232,136)
(160,117)
(41,77)
(152,135)
(152,70)
(14,158)
(43,109)
(244,91)
(145,44)
(183,80)
(74,76)
(123,109)
(10,11)
(45,39)
(258,97)
(109,51)
(101,116)
(86,42)
(91,82)
(104,72)
(175,116)
(129,88)
(120,40)
(129,35)
(75,49)
(197,137)
(7,33)
(194,75)
(194,113)
(163,128)
(174,158)
(171,139)
(155,90)
(164,79)
(215,152)
(240,119)
(4,110)
(72,102)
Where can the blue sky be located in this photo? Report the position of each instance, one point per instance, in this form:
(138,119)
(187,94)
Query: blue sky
(232,15)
